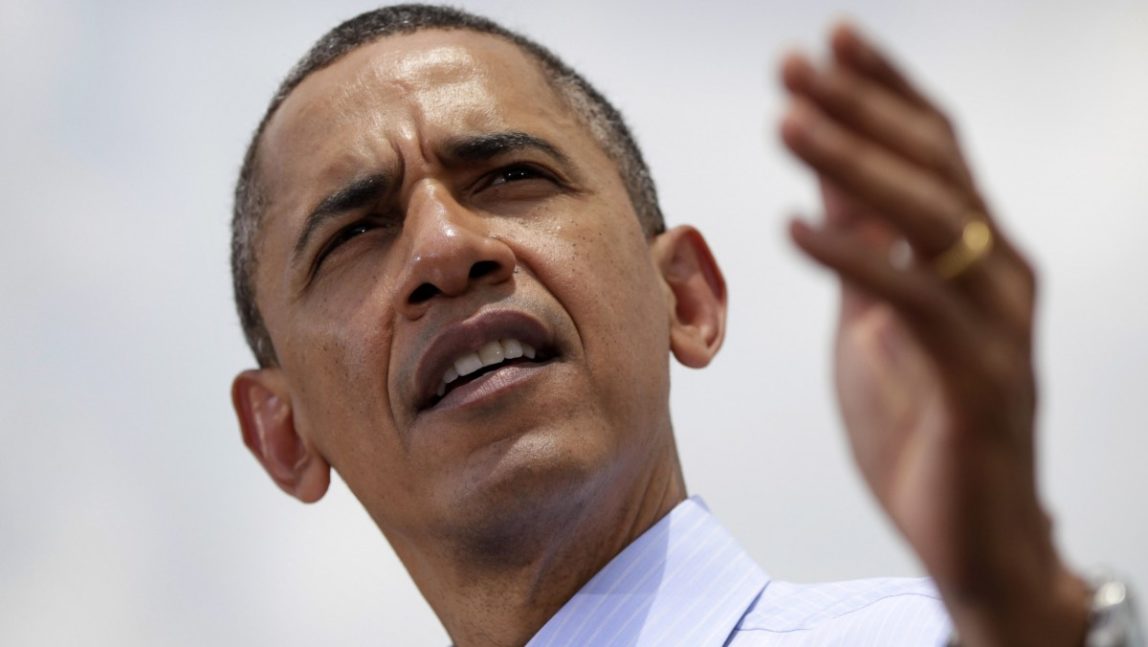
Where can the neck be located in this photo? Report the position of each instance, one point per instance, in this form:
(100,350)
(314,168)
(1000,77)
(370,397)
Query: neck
(498,585)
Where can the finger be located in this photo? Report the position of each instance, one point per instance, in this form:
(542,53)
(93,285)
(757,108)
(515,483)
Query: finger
(874,112)
(927,211)
(841,210)
(845,214)
(939,319)
(1000,287)
(855,51)
(977,363)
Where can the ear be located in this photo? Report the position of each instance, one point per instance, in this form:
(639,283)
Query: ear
(263,405)
(697,291)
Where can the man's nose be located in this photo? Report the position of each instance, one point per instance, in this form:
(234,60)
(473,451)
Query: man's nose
(451,251)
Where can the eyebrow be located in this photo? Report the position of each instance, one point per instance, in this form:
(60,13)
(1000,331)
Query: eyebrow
(479,148)
(461,150)
(354,195)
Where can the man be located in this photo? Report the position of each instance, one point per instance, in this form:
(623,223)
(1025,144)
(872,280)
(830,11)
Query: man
(451,266)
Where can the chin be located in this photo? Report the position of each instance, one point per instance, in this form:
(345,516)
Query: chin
(517,492)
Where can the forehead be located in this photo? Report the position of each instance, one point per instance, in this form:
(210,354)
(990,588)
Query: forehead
(412,89)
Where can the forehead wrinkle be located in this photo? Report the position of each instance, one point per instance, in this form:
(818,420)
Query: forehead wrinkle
(447,82)
(393,95)
(457,76)
(452,84)
(445,60)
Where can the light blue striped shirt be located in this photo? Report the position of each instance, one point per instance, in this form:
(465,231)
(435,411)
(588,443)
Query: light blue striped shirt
(686,581)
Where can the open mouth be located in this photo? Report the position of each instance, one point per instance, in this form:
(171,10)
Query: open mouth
(491,357)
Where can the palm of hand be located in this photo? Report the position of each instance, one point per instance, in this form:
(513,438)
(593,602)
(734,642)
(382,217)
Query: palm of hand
(932,463)
(897,420)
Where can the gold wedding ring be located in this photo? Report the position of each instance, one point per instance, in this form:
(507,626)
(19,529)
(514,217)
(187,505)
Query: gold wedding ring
(974,244)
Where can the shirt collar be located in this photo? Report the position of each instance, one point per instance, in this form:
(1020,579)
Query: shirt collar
(685,581)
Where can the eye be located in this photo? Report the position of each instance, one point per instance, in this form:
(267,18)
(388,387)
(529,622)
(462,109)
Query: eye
(344,235)
(517,173)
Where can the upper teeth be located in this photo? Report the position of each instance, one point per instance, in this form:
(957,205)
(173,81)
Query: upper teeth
(489,354)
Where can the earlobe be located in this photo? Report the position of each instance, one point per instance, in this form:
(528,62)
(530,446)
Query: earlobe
(698,311)
(263,407)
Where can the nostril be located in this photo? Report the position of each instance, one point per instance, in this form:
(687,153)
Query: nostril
(422,293)
(483,268)
(452,284)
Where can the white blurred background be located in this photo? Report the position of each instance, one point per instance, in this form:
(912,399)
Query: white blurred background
(131,514)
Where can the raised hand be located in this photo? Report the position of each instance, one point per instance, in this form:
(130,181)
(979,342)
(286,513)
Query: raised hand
(934,365)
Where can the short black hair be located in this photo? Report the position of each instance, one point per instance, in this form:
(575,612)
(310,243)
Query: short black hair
(603,120)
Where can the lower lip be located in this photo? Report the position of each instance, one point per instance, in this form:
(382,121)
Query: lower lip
(490,386)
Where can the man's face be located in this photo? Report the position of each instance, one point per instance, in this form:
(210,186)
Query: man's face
(432,201)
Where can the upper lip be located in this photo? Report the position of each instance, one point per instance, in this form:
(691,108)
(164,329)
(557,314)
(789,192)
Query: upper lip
(468,336)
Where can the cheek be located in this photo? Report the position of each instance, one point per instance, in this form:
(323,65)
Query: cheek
(344,406)
(597,264)
(347,325)
(341,348)
(613,269)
